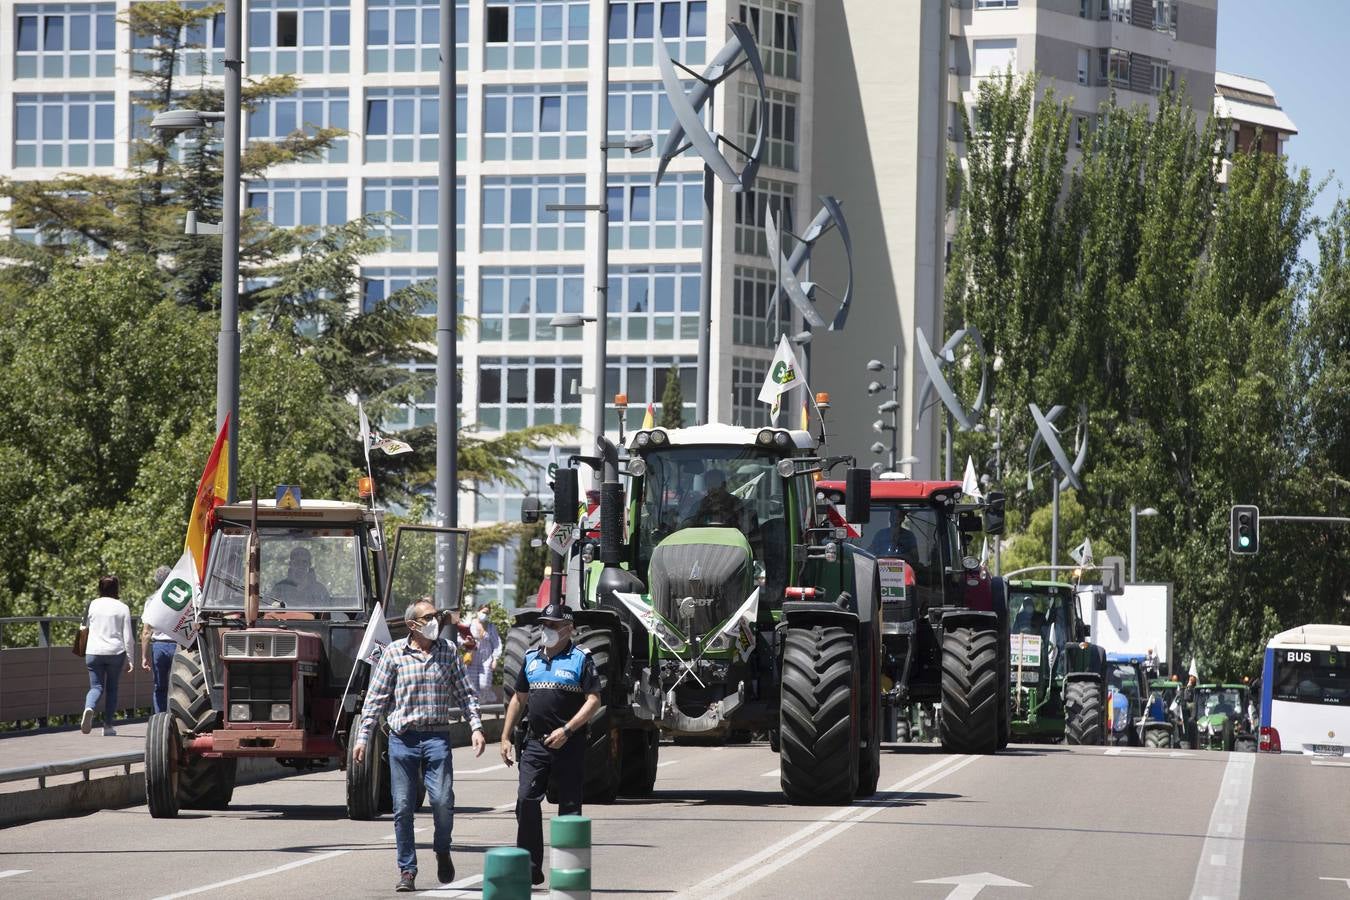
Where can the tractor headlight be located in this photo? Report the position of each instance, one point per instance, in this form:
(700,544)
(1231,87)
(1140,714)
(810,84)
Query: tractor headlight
(659,437)
(782,439)
(642,439)
(239,712)
(281,712)
(765,437)
(637,466)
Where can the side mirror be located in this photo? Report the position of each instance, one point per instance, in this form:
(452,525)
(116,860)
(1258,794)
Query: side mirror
(993,513)
(530,509)
(968,522)
(1113,576)
(1084,631)
(1099,599)
(565,497)
(858,496)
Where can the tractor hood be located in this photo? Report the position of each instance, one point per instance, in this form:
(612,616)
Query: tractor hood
(698,577)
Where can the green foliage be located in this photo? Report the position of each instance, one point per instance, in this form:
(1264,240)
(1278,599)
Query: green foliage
(1214,364)
(672,400)
(531,561)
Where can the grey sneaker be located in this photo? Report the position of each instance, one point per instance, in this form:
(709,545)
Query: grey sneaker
(109,731)
(87,721)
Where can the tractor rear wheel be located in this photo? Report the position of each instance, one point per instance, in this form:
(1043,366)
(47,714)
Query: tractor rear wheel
(366,780)
(1158,738)
(819,715)
(603,760)
(161,766)
(202,783)
(640,749)
(519,641)
(1083,713)
(970,691)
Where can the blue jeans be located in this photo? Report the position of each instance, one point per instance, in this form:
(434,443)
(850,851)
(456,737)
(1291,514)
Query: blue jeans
(161,660)
(104,671)
(411,754)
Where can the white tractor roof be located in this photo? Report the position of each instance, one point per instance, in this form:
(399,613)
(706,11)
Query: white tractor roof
(716,433)
(309,511)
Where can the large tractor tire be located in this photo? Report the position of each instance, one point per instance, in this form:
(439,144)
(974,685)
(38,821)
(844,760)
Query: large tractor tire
(520,639)
(1083,715)
(202,783)
(604,760)
(869,703)
(970,691)
(367,781)
(641,750)
(1229,741)
(1158,738)
(161,766)
(819,715)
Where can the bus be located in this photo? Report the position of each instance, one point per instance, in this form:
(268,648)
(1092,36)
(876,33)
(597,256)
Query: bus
(1305,691)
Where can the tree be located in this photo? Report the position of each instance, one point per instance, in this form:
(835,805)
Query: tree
(672,400)
(531,561)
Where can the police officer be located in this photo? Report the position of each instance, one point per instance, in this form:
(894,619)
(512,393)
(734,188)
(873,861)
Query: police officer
(559,683)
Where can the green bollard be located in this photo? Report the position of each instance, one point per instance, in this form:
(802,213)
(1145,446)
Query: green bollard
(506,874)
(569,876)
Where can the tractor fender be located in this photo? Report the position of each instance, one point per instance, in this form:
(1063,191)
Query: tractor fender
(1084,676)
(970,618)
(865,581)
(817,612)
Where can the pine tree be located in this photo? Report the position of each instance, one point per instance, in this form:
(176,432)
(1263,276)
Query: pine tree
(672,400)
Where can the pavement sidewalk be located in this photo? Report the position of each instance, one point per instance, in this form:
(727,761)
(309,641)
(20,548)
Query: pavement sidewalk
(32,749)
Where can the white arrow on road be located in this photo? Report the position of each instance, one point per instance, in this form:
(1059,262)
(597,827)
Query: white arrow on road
(968,886)
(1123,751)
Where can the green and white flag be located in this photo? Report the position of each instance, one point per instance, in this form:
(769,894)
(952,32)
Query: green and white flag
(784,375)
(173,606)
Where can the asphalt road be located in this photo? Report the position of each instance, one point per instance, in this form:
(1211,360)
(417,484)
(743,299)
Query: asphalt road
(1036,821)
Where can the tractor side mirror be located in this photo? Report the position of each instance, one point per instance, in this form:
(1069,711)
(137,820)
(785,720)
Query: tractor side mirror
(1099,599)
(1113,577)
(968,522)
(1084,631)
(530,509)
(993,513)
(858,496)
(565,497)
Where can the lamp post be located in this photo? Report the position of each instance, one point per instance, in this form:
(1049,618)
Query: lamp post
(447,280)
(891,406)
(1135,513)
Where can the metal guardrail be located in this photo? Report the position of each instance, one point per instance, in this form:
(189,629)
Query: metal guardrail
(50,770)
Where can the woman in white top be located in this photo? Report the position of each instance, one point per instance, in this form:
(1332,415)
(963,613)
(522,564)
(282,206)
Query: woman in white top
(108,649)
(487,653)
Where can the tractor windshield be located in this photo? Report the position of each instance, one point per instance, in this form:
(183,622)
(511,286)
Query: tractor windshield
(732,487)
(301,569)
(1225,701)
(918,534)
(1124,677)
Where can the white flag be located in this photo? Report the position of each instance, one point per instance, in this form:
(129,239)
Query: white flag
(561,538)
(392,447)
(171,608)
(970,485)
(784,374)
(376,638)
(1082,554)
(364,427)
(666,633)
(742,624)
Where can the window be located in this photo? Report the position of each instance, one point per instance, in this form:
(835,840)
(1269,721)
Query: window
(404,124)
(752,208)
(1093,9)
(1118,62)
(201,45)
(306,111)
(780,135)
(643,379)
(29,231)
(1120,11)
(653,303)
(517,392)
(638,109)
(644,216)
(633,28)
(776,26)
(995,4)
(532,121)
(1081,131)
(381,283)
(516,304)
(515,214)
(1165,16)
(993,57)
(65,40)
(500,502)
(421,411)
(412,212)
(289,203)
(536,34)
(747,376)
(405,35)
(500,561)
(1084,65)
(299,36)
(1161,76)
(70,130)
(754,323)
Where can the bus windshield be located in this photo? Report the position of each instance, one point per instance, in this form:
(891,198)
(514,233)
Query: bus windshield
(1318,680)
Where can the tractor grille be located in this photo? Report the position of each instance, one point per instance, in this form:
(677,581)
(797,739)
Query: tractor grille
(242,645)
(260,685)
(715,576)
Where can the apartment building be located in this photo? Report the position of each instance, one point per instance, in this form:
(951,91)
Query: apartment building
(1254,115)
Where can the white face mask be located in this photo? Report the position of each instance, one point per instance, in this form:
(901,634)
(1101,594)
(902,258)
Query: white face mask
(483,616)
(431,630)
(552,637)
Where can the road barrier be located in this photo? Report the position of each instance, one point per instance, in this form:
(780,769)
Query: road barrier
(569,876)
(506,874)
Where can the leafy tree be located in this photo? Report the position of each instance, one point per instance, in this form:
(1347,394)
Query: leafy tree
(531,561)
(672,400)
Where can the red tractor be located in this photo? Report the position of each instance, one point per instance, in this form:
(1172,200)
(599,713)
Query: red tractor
(944,618)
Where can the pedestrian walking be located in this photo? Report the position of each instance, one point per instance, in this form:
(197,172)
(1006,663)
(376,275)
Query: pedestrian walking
(157,650)
(559,683)
(108,649)
(486,654)
(416,684)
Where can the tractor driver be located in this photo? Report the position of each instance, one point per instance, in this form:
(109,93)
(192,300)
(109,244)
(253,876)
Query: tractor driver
(719,506)
(300,585)
(896,540)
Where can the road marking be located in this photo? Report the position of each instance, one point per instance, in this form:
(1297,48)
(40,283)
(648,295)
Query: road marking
(772,773)
(332,854)
(455,889)
(495,768)
(772,858)
(669,762)
(8,872)
(1218,876)
(969,886)
(1122,751)
(1327,762)
(504,807)
(1346,881)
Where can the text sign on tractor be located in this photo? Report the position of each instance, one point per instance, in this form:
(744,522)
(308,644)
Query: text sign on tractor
(892,572)
(1025,650)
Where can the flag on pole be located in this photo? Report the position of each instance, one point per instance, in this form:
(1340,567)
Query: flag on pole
(552,471)
(806,418)
(212,490)
(649,418)
(784,375)
(392,446)
(970,485)
(376,638)
(364,426)
(172,606)
(662,630)
(1082,554)
(742,625)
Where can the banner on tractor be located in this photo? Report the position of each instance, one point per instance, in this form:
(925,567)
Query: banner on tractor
(212,491)
(663,631)
(376,638)
(172,607)
(741,627)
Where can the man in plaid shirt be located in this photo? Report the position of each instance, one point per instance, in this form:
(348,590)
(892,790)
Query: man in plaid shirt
(415,684)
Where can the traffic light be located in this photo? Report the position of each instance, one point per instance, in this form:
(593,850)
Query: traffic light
(1245,531)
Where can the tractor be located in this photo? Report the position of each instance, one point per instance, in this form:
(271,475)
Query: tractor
(1126,701)
(724,603)
(1222,718)
(1059,678)
(287,598)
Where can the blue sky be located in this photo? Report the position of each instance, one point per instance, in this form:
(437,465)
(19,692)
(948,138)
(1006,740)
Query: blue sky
(1301,48)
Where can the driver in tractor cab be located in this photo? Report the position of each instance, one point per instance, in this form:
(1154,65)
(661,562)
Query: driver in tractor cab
(896,540)
(301,584)
(718,505)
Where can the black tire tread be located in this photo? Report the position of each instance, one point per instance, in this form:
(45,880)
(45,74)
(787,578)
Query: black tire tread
(1158,737)
(818,759)
(970,690)
(1083,713)
(161,761)
(202,783)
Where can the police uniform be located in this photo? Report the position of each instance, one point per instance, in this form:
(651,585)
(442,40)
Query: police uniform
(556,688)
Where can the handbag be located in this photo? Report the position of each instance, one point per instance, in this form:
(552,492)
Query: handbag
(81,636)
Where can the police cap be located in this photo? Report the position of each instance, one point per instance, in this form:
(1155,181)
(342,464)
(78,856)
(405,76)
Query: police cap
(555,612)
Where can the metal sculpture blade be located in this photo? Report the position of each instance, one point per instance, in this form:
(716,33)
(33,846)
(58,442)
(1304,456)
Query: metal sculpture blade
(936,381)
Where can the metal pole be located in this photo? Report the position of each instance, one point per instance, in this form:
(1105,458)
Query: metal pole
(1054,518)
(947,454)
(895,395)
(227,344)
(703,382)
(602,268)
(447,395)
(998,477)
(1134,537)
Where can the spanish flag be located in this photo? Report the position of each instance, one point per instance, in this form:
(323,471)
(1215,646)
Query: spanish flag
(649,419)
(212,491)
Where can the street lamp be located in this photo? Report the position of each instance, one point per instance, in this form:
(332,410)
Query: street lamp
(1135,513)
(889,407)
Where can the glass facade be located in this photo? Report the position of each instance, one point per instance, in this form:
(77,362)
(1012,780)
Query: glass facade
(516,304)
(411,212)
(306,112)
(653,303)
(65,40)
(403,125)
(647,216)
(308,202)
(635,24)
(516,215)
(66,130)
(309,37)
(535,34)
(534,121)
(643,379)
(404,35)
(519,391)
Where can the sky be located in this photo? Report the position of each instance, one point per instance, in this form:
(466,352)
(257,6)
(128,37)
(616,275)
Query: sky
(1300,48)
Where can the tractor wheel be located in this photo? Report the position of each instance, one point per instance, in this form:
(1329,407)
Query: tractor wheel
(202,783)
(869,756)
(1083,713)
(366,780)
(603,760)
(1244,744)
(161,766)
(970,691)
(1158,738)
(1228,739)
(819,715)
(903,735)
(641,749)
(520,639)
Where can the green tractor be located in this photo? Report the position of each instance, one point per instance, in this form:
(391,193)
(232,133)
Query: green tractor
(1222,719)
(726,604)
(1059,678)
